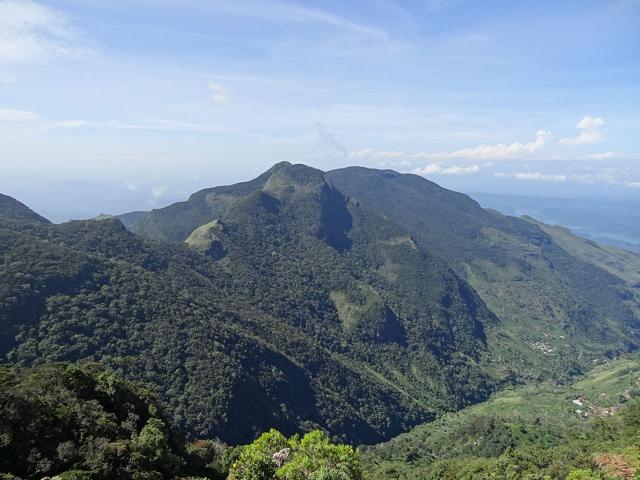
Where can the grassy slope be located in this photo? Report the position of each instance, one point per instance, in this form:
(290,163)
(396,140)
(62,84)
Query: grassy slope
(533,415)
(618,262)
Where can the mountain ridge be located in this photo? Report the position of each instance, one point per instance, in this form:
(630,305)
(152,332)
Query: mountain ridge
(359,301)
(15,210)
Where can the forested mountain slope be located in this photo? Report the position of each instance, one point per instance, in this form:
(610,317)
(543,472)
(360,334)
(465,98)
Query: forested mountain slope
(13,209)
(362,302)
(553,299)
(310,312)
(84,424)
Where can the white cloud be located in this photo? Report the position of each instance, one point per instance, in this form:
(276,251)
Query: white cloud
(498,151)
(219,93)
(303,13)
(609,175)
(371,153)
(493,152)
(534,176)
(132,185)
(591,132)
(633,184)
(37,122)
(602,155)
(382,158)
(436,169)
(9,115)
(163,125)
(30,31)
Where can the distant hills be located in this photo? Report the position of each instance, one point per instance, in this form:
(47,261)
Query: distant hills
(611,221)
(362,302)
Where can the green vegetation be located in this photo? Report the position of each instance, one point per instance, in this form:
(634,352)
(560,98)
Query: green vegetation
(76,421)
(12,209)
(313,457)
(562,302)
(358,302)
(84,423)
(205,240)
(253,340)
(534,432)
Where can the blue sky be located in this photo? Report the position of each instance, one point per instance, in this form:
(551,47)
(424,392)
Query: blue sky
(163,97)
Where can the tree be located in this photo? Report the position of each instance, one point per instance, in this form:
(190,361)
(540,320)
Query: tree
(582,474)
(313,457)
(151,451)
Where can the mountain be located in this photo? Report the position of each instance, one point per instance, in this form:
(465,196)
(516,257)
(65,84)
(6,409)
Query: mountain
(361,302)
(548,296)
(312,313)
(11,208)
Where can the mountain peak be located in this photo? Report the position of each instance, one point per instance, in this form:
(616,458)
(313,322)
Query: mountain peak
(287,179)
(295,170)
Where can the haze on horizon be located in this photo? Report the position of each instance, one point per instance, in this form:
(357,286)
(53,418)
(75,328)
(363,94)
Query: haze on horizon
(148,101)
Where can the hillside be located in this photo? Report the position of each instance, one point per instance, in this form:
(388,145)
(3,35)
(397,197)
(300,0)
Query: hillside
(82,422)
(358,301)
(314,313)
(69,420)
(552,297)
(615,221)
(542,291)
(533,431)
(11,208)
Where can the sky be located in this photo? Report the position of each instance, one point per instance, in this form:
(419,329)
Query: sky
(145,101)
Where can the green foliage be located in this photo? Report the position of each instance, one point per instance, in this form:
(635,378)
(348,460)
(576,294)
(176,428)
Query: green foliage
(75,475)
(210,457)
(150,449)
(534,432)
(314,457)
(12,209)
(82,424)
(582,474)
